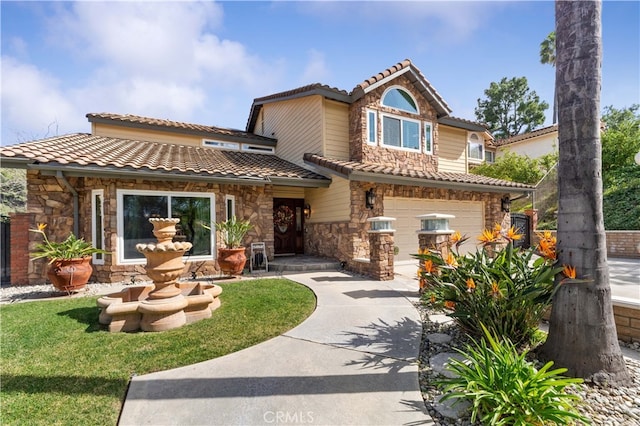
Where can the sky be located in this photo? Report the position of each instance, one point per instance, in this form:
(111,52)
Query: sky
(205,62)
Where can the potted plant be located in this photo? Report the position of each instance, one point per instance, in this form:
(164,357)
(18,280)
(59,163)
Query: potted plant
(232,257)
(69,261)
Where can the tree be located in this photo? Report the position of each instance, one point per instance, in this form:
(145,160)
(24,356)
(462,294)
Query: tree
(13,191)
(548,56)
(517,168)
(582,333)
(620,141)
(510,108)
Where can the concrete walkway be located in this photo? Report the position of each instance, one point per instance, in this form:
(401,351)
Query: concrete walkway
(352,362)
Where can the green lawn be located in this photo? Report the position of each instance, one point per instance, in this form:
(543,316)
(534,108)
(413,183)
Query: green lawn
(59,366)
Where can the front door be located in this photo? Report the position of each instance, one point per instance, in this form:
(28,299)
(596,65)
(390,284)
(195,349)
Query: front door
(288,226)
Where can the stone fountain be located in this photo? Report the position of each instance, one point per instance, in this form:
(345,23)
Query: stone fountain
(167,303)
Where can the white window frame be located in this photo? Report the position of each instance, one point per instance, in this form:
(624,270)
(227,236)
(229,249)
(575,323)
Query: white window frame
(372,126)
(428,134)
(120,193)
(97,229)
(258,149)
(415,101)
(402,120)
(480,143)
(229,205)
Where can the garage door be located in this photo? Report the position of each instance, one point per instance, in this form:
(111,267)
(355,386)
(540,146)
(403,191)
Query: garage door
(469,220)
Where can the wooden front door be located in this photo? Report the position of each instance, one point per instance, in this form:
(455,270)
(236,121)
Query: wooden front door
(288,226)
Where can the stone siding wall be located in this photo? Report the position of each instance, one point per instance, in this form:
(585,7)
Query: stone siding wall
(361,151)
(51,202)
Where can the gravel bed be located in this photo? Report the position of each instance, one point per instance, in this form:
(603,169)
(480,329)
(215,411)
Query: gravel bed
(604,406)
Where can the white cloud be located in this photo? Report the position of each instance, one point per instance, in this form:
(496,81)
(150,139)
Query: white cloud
(33,105)
(316,70)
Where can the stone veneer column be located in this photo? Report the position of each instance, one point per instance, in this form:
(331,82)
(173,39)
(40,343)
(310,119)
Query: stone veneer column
(435,240)
(381,246)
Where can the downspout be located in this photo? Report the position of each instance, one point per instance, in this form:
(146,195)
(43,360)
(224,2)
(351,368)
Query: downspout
(76,217)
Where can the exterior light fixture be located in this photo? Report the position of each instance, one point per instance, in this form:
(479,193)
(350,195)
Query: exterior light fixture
(307,211)
(505,204)
(370,198)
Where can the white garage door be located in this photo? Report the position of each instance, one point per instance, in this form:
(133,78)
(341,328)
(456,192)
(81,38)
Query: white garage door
(469,220)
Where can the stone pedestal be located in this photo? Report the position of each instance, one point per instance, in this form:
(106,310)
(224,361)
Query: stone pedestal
(381,246)
(435,240)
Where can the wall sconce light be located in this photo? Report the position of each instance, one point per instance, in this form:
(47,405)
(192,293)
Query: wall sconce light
(370,198)
(505,204)
(307,211)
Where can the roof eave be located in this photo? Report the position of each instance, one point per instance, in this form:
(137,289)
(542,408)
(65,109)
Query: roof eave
(128,173)
(407,180)
(300,182)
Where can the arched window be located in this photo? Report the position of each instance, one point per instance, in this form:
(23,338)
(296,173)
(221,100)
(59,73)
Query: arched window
(475,147)
(400,99)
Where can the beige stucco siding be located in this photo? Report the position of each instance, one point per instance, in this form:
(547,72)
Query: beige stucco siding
(330,204)
(336,130)
(297,125)
(452,149)
(534,147)
(144,134)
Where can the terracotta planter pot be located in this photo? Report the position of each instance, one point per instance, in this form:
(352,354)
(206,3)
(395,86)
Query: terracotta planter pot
(232,261)
(70,274)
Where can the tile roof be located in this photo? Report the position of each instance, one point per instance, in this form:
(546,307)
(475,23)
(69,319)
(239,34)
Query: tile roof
(148,122)
(437,178)
(85,152)
(405,67)
(525,136)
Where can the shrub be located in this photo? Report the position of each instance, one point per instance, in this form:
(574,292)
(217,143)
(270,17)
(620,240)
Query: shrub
(505,288)
(505,389)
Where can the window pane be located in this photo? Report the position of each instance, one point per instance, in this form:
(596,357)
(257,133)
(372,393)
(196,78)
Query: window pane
(410,135)
(193,212)
(399,99)
(372,126)
(391,134)
(98,225)
(475,151)
(137,209)
(427,138)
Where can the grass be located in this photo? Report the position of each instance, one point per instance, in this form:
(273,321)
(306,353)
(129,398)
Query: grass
(59,366)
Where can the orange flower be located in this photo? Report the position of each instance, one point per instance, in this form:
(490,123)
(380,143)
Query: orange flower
(455,238)
(429,267)
(41,226)
(497,229)
(487,237)
(451,260)
(471,285)
(569,271)
(549,254)
(432,299)
(450,304)
(512,234)
(495,289)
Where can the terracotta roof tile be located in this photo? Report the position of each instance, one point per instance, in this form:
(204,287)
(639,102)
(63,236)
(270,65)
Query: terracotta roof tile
(83,149)
(147,122)
(528,135)
(349,167)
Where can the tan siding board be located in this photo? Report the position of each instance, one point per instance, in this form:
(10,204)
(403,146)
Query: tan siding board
(144,134)
(336,130)
(330,204)
(452,148)
(288,192)
(297,125)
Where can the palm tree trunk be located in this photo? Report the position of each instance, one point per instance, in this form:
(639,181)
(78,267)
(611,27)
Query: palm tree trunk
(582,333)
